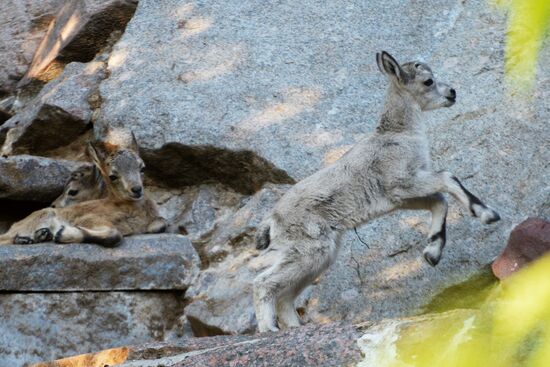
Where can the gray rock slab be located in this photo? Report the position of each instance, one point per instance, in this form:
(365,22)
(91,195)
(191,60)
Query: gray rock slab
(57,115)
(145,262)
(294,84)
(44,326)
(326,345)
(31,178)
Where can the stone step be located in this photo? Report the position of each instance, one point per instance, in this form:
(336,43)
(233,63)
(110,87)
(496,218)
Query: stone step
(144,262)
(334,344)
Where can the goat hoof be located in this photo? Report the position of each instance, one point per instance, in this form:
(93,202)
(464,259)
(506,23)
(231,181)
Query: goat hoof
(22,240)
(43,235)
(431,258)
(490,216)
(266,328)
(59,234)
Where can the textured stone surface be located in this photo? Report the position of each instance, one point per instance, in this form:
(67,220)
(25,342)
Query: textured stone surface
(220,301)
(195,211)
(528,241)
(33,178)
(80,30)
(57,115)
(23,24)
(328,345)
(45,326)
(145,262)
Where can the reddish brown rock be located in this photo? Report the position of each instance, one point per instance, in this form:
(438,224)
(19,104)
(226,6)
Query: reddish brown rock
(528,241)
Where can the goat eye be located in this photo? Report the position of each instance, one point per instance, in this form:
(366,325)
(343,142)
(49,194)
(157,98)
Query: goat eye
(72,192)
(428,82)
(417,65)
(113,177)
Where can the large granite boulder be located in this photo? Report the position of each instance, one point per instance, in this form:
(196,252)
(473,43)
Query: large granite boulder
(296,86)
(57,115)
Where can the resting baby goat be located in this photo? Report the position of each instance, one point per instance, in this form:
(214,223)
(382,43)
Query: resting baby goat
(124,211)
(390,170)
(84,184)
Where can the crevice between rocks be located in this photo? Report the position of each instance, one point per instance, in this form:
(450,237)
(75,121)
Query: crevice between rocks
(201,329)
(176,165)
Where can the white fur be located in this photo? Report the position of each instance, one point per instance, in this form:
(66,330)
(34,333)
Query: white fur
(390,170)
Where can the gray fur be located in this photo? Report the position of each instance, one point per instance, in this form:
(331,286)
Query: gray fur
(390,170)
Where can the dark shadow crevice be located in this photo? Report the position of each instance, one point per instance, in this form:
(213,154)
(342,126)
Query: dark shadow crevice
(176,165)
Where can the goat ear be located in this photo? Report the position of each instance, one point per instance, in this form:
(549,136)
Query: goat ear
(389,66)
(135,145)
(95,154)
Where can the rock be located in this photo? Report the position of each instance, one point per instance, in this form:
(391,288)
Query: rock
(45,326)
(196,210)
(5,109)
(24,23)
(58,114)
(327,345)
(80,30)
(528,241)
(33,178)
(220,301)
(297,86)
(236,231)
(145,262)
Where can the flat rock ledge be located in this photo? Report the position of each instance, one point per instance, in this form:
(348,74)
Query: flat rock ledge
(26,177)
(144,262)
(314,345)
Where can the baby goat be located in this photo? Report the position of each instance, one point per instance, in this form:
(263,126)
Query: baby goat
(390,170)
(124,211)
(85,183)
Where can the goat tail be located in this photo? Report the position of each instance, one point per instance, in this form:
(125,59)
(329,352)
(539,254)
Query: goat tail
(263,238)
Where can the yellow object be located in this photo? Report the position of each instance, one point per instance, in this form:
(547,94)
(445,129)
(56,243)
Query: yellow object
(528,24)
(511,329)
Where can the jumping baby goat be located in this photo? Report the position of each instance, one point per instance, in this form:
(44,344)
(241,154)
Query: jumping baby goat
(390,170)
(124,211)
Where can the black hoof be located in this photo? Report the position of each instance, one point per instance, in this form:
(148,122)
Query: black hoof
(496,218)
(43,235)
(431,259)
(22,240)
(261,246)
(59,234)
